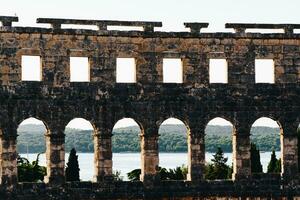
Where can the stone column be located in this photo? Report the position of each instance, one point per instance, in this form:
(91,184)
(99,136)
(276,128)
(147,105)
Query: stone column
(241,153)
(55,157)
(289,152)
(196,155)
(8,160)
(102,156)
(149,158)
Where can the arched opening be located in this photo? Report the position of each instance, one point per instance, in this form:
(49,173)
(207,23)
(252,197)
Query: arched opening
(173,148)
(79,136)
(218,149)
(126,149)
(31,148)
(265,146)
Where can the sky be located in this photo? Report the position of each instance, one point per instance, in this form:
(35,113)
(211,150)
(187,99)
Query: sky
(172,13)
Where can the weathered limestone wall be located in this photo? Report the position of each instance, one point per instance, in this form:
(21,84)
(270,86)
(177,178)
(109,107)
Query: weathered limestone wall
(55,100)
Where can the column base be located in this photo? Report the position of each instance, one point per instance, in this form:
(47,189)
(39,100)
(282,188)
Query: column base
(55,180)
(8,181)
(103,178)
(150,180)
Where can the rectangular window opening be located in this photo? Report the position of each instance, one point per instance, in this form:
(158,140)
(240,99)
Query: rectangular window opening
(126,70)
(79,69)
(76,26)
(218,71)
(31,68)
(266,31)
(172,70)
(264,71)
(125,28)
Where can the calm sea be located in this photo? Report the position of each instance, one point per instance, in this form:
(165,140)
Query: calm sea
(125,162)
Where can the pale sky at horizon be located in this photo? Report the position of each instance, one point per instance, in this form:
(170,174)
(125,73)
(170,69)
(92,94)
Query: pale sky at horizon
(80,123)
(172,13)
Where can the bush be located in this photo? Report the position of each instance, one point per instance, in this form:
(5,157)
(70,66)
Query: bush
(30,172)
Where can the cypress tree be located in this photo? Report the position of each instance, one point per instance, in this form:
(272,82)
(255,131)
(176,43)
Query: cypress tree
(256,166)
(72,170)
(278,166)
(273,163)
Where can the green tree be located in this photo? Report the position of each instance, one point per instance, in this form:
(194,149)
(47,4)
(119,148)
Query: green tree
(134,175)
(218,169)
(178,173)
(30,172)
(256,166)
(229,172)
(209,172)
(274,165)
(117,175)
(72,169)
(278,166)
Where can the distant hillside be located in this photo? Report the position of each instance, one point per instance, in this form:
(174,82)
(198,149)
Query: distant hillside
(172,138)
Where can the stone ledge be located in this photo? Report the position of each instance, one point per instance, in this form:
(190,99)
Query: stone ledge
(241,27)
(102,24)
(7,20)
(146,34)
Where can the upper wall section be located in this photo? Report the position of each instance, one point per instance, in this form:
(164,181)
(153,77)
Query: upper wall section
(55,46)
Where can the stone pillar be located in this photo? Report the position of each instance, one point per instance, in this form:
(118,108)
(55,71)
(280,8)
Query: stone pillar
(289,152)
(102,156)
(196,155)
(55,157)
(241,153)
(8,160)
(149,158)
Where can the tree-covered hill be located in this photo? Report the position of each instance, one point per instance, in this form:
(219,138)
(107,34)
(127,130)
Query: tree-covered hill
(173,138)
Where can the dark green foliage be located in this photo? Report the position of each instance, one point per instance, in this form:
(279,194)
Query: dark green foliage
(278,166)
(178,173)
(222,141)
(72,169)
(134,175)
(256,166)
(117,175)
(274,165)
(218,169)
(173,139)
(30,172)
(31,136)
(209,172)
(266,138)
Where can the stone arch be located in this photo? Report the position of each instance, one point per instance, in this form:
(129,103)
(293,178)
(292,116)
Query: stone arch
(127,117)
(226,116)
(134,131)
(26,136)
(218,129)
(273,117)
(272,124)
(79,134)
(180,149)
